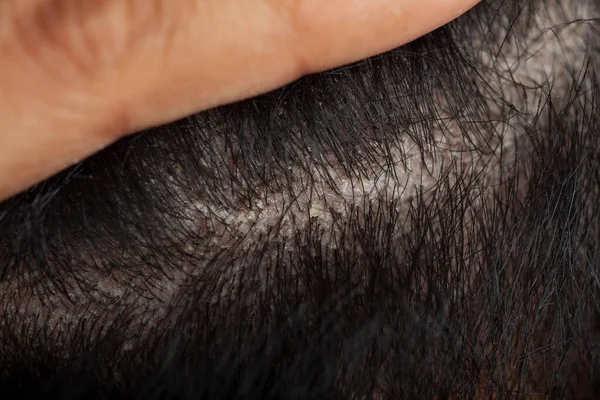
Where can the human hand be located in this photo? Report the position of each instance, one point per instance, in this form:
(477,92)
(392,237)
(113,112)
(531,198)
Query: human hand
(79,74)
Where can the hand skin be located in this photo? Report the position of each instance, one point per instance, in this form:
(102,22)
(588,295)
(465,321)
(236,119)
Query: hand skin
(76,75)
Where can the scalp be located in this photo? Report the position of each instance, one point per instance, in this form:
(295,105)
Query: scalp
(420,223)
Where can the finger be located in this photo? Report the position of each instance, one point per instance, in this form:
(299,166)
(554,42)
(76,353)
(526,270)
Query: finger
(77,75)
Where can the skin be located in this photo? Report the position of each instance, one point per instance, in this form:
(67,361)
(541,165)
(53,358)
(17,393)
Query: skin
(78,75)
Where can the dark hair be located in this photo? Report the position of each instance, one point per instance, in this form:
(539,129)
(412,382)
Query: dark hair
(424,223)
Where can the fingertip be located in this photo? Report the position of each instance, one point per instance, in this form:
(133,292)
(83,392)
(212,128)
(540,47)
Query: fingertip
(328,34)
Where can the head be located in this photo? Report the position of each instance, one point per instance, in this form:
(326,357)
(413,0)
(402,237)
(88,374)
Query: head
(420,224)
